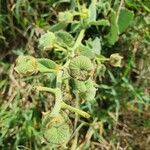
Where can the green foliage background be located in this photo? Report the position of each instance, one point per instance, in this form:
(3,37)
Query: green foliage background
(121,113)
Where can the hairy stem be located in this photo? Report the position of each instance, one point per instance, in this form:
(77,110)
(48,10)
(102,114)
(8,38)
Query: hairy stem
(78,41)
(41,88)
(58,94)
(80,112)
(58,98)
(58,101)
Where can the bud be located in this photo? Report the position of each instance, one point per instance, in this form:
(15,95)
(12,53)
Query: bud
(26,65)
(90,94)
(84,12)
(66,17)
(47,41)
(115,60)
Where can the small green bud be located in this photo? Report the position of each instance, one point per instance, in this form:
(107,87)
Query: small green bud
(115,60)
(66,17)
(47,41)
(100,70)
(86,89)
(90,92)
(80,86)
(84,12)
(26,65)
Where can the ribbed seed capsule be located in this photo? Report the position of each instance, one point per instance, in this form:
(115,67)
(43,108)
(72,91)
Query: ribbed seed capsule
(56,129)
(26,65)
(81,68)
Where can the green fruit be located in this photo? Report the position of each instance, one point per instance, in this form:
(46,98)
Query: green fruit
(56,129)
(26,65)
(81,68)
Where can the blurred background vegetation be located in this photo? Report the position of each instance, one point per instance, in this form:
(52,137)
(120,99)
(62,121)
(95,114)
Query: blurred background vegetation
(122,114)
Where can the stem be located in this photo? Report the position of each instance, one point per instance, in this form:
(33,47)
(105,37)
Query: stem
(80,112)
(58,94)
(58,98)
(59,47)
(59,79)
(119,9)
(77,117)
(41,88)
(94,1)
(102,59)
(78,41)
(58,101)
(48,71)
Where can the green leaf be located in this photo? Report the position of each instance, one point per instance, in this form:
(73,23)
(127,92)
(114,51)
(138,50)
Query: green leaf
(125,19)
(75,27)
(131,3)
(92,11)
(96,46)
(46,65)
(146,5)
(58,26)
(2,83)
(92,48)
(86,51)
(102,22)
(90,92)
(112,37)
(58,2)
(64,38)
(17,10)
